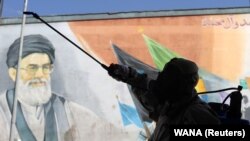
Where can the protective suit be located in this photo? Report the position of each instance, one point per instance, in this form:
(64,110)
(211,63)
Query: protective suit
(171,99)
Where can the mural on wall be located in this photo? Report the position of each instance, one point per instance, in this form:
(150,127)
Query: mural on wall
(58,97)
(65,95)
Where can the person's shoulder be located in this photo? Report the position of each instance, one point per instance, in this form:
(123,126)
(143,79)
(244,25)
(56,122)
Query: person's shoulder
(4,107)
(3,93)
(201,113)
(3,98)
(77,108)
(56,95)
(199,106)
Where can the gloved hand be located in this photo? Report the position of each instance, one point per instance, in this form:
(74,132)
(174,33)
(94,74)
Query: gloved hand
(119,72)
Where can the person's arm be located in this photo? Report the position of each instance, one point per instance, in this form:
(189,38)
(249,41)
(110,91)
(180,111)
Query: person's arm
(138,81)
(129,75)
(140,86)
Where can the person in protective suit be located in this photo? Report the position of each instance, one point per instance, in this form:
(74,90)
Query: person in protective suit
(171,99)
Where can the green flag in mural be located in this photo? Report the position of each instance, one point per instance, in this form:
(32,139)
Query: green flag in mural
(208,81)
(159,53)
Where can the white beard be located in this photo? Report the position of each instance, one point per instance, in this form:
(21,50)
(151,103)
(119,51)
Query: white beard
(34,96)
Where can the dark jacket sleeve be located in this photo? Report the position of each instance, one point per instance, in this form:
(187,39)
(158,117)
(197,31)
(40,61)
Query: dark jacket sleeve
(140,87)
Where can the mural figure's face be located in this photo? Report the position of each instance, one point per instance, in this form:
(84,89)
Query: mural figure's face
(35,86)
(34,66)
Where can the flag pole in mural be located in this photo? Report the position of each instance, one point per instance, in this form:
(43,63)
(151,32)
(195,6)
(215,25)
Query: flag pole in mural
(35,15)
(17,82)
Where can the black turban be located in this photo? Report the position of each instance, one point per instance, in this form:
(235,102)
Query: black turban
(31,44)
